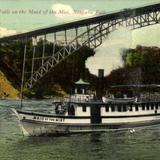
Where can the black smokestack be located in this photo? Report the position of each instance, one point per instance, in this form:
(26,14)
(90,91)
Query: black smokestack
(100,84)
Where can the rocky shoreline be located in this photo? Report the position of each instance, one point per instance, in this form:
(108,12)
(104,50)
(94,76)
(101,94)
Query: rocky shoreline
(7,91)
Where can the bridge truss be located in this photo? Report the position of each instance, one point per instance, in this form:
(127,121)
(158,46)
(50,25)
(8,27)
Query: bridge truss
(72,36)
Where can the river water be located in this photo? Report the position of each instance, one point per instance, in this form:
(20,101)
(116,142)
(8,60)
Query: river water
(144,144)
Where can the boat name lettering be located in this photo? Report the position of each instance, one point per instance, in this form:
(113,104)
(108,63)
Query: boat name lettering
(48,119)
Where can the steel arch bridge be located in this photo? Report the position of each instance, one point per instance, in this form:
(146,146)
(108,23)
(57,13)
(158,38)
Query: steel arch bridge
(74,35)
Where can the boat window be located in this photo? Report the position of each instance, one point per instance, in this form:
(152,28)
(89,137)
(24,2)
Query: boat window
(84,108)
(124,108)
(136,107)
(119,108)
(143,106)
(156,105)
(107,108)
(147,106)
(152,106)
(113,108)
(71,110)
(130,108)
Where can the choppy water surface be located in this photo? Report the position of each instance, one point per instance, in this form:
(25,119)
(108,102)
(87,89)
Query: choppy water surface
(144,144)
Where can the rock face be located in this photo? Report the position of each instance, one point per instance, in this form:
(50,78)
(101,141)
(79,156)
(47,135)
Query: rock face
(6,88)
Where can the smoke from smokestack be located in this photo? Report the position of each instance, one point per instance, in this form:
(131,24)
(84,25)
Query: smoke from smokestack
(108,56)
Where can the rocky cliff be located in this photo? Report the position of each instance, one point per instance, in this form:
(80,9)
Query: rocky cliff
(7,91)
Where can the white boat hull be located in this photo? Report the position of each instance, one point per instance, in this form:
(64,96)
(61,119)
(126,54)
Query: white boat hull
(44,126)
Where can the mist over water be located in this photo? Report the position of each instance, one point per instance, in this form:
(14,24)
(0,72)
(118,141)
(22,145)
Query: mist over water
(108,56)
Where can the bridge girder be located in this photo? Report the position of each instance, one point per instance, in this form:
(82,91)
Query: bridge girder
(93,37)
(92,34)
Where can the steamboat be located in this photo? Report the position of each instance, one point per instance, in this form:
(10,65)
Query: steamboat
(85,112)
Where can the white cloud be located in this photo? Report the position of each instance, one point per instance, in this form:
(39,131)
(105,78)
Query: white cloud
(66,11)
(108,55)
(6,32)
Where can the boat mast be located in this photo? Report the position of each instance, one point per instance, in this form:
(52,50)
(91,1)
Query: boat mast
(23,69)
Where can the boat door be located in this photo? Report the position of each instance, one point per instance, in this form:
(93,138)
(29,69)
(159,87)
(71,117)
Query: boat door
(95,114)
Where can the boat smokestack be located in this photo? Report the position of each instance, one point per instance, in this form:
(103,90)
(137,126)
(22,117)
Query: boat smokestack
(100,84)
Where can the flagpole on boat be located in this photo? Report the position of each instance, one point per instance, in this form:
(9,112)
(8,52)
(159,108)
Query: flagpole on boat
(22,79)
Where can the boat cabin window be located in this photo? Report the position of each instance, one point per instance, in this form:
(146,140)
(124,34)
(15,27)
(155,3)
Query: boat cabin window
(156,106)
(147,106)
(130,108)
(107,108)
(113,108)
(71,111)
(152,106)
(119,108)
(124,108)
(136,107)
(84,108)
(143,107)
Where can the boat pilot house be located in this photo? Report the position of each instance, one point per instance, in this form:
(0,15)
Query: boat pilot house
(81,87)
(85,109)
